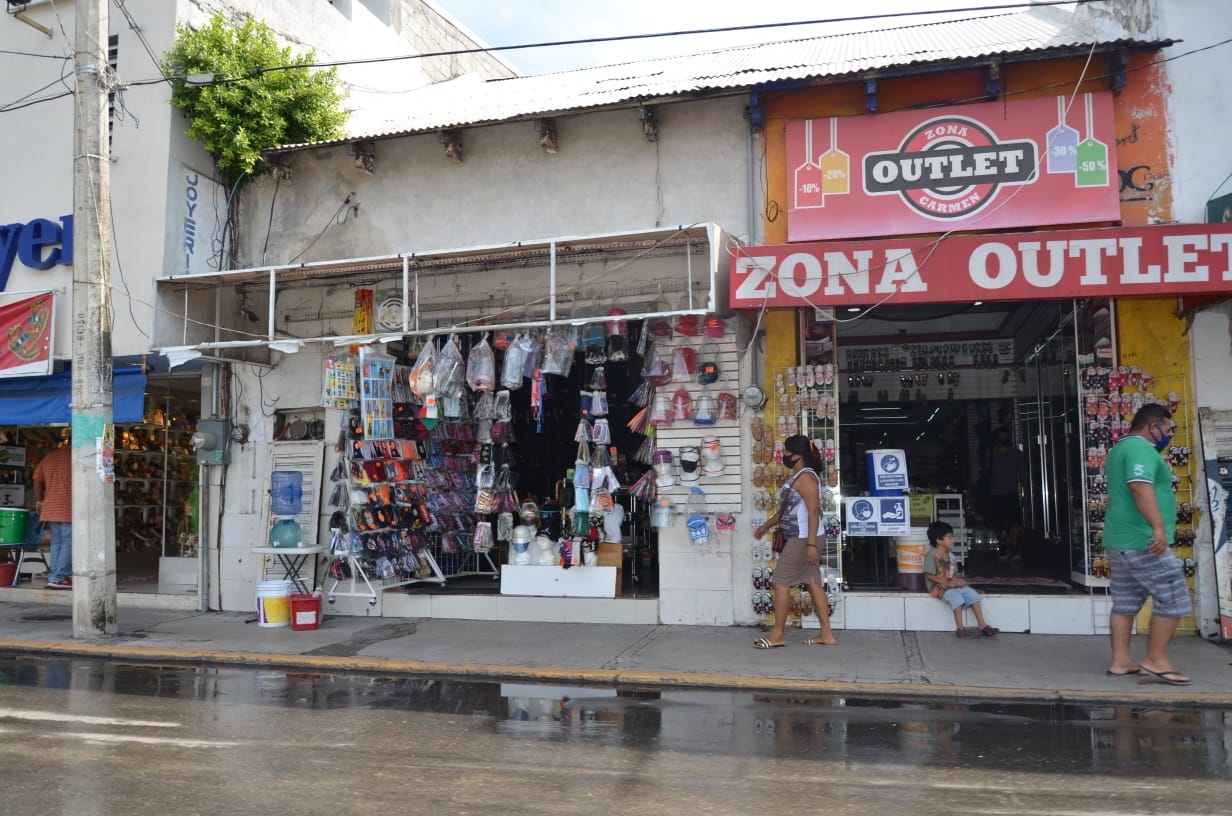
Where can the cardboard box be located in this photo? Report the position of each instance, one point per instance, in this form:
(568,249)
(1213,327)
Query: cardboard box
(611,554)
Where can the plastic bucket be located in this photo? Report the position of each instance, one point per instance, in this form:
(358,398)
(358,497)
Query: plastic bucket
(305,612)
(8,573)
(287,493)
(13,526)
(273,604)
(910,552)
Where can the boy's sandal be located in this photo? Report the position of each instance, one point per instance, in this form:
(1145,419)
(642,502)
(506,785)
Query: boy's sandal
(968,633)
(989,631)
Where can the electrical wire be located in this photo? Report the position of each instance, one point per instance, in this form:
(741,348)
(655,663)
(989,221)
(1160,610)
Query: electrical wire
(1000,8)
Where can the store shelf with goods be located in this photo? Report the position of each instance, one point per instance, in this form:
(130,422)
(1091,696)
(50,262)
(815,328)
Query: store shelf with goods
(802,399)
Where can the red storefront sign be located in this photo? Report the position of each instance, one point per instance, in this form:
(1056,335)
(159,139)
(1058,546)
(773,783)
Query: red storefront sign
(25,336)
(1055,264)
(990,166)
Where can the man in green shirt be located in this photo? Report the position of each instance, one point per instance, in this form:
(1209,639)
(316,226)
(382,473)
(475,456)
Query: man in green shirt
(1138,527)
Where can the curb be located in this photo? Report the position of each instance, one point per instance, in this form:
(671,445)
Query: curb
(491,672)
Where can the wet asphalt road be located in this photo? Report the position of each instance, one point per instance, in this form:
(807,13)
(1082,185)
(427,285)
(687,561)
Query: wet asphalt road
(81,737)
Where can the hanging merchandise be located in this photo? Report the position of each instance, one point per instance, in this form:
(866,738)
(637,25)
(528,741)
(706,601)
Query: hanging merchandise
(482,541)
(341,389)
(481,367)
(659,327)
(485,407)
(537,393)
(601,434)
(503,340)
(617,341)
(655,369)
(690,463)
(708,369)
(598,404)
(363,317)
(684,364)
(613,520)
(376,373)
(450,378)
(594,343)
(682,405)
(725,528)
(515,359)
(638,422)
(557,353)
(728,407)
(642,395)
(714,326)
(713,463)
(704,410)
(528,514)
(665,474)
(644,488)
(506,499)
(663,514)
(583,432)
(697,520)
(687,325)
(423,372)
(661,412)
(645,451)
(504,527)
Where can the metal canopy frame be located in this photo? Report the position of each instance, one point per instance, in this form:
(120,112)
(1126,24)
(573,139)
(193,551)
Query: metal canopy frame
(700,284)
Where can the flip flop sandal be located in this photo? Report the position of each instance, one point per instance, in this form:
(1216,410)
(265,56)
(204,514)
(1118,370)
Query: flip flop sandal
(763,643)
(967,634)
(816,641)
(989,631)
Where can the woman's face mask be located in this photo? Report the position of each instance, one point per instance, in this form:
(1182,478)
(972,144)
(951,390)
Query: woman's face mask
(790,460)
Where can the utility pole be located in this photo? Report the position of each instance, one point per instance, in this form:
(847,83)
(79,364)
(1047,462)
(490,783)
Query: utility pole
(94,581)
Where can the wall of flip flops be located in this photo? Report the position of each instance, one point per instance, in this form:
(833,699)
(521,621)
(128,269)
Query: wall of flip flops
(802,400)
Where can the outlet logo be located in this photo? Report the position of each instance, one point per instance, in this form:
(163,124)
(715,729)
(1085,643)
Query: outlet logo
(950,167)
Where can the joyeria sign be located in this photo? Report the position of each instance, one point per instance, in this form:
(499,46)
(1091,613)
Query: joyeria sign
(987,166)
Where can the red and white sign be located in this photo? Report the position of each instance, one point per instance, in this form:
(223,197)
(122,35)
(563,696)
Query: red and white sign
(1053,264)
(967,167)
(25,336)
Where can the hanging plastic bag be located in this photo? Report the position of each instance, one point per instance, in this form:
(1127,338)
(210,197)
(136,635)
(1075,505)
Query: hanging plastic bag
(684,364)
(594,343)
(481,367)
(450,370)
(482,542)
(655,369)
(423,372)
(515,359)
(557,354)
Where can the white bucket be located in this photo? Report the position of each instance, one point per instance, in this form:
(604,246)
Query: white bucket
(273,604)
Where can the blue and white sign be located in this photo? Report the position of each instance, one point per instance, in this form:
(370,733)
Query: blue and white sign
(887,470)
(877,516)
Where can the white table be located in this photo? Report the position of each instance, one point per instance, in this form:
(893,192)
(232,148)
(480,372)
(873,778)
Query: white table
(292,560)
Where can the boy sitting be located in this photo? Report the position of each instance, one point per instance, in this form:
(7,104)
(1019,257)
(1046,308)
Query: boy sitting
(944,584)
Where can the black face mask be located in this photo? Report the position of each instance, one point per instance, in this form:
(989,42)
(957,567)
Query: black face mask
(790,460)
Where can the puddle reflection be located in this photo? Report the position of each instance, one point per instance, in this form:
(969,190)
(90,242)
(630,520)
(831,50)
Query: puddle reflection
(1120,740)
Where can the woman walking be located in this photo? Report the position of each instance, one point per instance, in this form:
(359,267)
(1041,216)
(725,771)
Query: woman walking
(799,519)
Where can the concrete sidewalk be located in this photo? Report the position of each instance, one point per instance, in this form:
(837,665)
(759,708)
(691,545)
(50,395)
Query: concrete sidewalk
(865,663)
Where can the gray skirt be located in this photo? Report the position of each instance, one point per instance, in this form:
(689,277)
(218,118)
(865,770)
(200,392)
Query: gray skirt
(793,567)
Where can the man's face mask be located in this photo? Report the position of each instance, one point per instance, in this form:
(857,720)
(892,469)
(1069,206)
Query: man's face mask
(1165,437)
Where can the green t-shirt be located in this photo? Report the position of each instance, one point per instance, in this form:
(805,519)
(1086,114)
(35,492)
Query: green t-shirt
(1133,459)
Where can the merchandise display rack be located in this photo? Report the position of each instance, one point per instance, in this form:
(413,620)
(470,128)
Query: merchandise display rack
(804,400)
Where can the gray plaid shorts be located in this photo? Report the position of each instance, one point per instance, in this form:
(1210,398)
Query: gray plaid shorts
(1137,574)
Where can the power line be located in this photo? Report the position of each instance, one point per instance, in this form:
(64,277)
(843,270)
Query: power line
(632,37)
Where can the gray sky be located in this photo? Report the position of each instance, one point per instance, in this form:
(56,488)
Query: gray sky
(514,22)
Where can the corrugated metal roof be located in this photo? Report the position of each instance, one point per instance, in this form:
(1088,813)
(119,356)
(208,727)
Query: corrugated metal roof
(470,101)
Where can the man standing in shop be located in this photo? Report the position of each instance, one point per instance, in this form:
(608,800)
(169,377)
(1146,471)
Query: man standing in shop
(1005,470)
(53,499)
(1138,527)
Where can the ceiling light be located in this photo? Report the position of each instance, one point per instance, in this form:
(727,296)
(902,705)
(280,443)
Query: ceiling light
(978,303)
(853,308)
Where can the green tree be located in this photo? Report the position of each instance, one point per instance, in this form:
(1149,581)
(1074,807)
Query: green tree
(254,102)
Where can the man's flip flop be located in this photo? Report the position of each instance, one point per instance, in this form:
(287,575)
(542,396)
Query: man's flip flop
(1131,673)
(762,643)
(1172,678)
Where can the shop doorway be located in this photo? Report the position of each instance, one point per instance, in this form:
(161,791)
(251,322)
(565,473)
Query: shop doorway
(983,398)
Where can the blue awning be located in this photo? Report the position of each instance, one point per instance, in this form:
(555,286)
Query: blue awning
(45,400)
